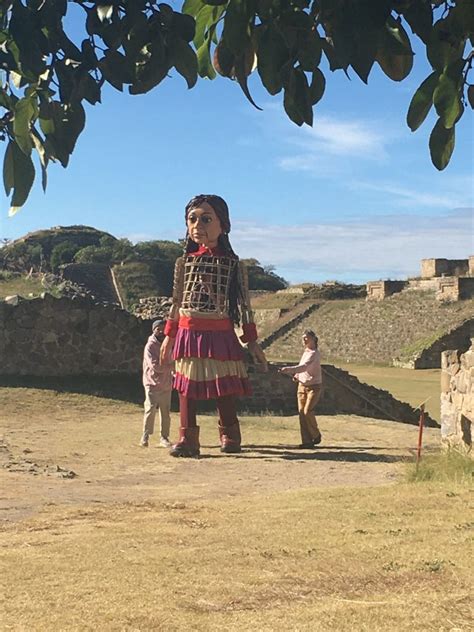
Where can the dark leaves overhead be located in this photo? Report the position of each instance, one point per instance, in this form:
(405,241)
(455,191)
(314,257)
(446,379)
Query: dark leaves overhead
(135,44)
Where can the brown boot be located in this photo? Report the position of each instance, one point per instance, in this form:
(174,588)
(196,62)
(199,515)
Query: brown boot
(230,438)
(188,444)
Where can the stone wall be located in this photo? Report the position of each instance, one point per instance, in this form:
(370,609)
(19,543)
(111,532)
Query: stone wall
(69,337)
(455,288)
(457,399)
(430,357)
(444,267)
(47,338)
(378,290)
(423,285)
(446,288)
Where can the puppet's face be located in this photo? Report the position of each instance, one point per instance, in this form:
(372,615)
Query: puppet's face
(204,227)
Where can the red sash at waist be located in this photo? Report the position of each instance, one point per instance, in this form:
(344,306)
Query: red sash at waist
(205,324)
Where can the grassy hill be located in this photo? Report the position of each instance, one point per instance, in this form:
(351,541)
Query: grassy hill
(82,236)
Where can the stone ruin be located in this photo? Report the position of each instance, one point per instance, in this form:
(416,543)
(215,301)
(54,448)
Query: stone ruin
(64,338)
(152,307)
(450,279)
(457,398)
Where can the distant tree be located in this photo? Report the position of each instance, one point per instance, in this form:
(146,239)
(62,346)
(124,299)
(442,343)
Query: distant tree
(263,278)
(62,253)
(110,251)
(136,43)
(93,254)
(158,249)
(22,256)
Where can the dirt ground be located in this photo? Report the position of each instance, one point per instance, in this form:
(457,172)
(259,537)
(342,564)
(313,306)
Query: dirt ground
(69,450)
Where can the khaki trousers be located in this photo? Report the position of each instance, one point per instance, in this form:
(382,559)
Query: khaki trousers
(157,400)
(308,397)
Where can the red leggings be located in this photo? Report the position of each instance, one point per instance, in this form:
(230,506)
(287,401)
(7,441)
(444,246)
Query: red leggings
(226,406)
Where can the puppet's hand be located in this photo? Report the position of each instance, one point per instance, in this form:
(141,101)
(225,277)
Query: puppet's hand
(166,349)
(258,356)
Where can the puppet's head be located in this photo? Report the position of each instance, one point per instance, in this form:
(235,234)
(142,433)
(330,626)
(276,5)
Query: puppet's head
(222,212)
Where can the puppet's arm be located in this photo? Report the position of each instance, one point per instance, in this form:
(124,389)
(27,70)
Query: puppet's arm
(171,326)
(248,324)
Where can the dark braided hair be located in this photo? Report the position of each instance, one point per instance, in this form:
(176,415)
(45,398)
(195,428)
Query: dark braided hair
(222,211)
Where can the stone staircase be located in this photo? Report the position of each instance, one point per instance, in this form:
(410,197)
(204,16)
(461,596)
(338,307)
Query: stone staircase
(370,332)
(97,278)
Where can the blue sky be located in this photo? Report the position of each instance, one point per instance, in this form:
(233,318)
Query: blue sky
(354,198)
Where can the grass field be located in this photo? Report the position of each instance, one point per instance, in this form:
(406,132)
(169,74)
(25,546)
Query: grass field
(407,385)
(99,534)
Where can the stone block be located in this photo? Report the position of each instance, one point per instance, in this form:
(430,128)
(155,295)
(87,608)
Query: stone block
(462,382)
(458,399)
(448,424)
(448,358)
(445,382)
(467,359)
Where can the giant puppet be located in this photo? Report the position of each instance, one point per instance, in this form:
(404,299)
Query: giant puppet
(210,297)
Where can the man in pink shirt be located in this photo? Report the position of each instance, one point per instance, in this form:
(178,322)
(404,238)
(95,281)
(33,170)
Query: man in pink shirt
(308,375)
(157,382)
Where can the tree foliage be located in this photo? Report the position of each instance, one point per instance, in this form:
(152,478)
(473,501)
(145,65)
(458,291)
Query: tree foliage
(158,255)
(263,277)
(290,44)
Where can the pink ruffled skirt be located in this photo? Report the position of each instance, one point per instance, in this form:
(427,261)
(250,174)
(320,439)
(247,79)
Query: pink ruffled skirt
(209,364)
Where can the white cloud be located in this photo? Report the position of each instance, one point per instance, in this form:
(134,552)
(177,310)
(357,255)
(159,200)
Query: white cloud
(370,249)
(451,196)
(333,139)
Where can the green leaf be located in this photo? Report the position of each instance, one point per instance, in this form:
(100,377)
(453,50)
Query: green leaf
(447,101)
(422,101)
(441,145)
(394,52)
(317,87)
(24,113)
(419,16)
(272,55)
(18,175)
(184,59)
(442,50)
(185,26)
(192,7)
(89,89)
(236,30)
(309,50)
(205,67)
(40,148)
(297,101)
(115,70)
(204,20)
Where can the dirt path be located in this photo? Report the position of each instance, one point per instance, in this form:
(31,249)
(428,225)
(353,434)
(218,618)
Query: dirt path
(67,449)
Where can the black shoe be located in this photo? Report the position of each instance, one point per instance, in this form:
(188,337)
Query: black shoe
(305,446)
(318,439)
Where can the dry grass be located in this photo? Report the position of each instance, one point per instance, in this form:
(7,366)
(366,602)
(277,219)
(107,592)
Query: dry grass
(17,284)
(389,558)
(273,539)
